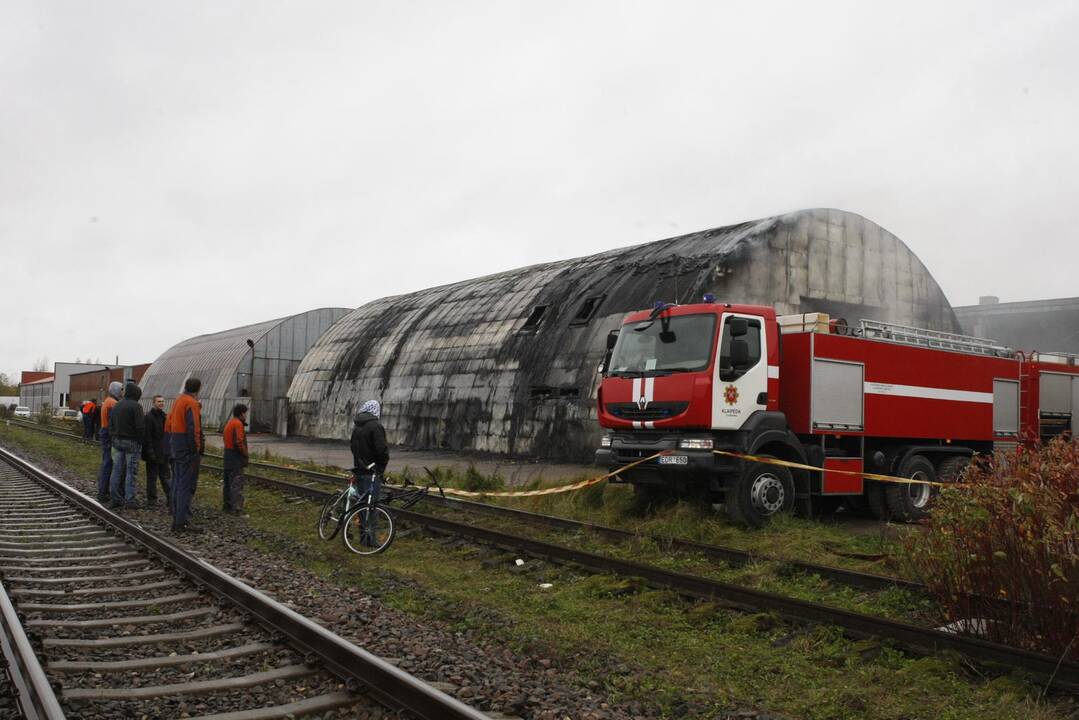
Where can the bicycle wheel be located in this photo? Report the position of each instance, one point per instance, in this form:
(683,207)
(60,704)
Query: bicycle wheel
(368,530)
(329,520)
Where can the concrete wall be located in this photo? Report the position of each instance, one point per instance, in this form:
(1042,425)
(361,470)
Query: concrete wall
(1046,325)
(458,367)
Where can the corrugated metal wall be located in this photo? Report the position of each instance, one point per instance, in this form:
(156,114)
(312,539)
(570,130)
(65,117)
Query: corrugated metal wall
(224,362)
(461,367)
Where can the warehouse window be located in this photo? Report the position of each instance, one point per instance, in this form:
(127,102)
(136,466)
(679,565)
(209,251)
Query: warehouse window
(587,310)
(534,318)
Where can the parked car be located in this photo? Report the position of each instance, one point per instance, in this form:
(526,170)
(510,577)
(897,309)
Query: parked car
(22,411)
(66,414)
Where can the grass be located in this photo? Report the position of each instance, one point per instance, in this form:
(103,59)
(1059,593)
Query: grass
(691,658)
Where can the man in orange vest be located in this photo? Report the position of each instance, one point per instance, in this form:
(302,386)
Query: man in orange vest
(105,474)
(87,411)
(235,439)
(184,427)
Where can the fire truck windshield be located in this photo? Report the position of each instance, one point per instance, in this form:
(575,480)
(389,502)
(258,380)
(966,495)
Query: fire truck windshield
(667,345)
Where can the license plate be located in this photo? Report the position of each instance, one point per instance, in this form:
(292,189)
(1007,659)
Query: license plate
(673,459)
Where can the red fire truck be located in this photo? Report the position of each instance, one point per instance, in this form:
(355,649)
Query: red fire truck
(877,398)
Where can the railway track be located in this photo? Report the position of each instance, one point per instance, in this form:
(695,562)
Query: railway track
(129,625)
(1049,670)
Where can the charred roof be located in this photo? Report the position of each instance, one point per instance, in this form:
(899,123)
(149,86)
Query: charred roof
(507,363)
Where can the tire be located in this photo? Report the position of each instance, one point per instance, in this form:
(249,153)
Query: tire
(358,520)
(759,493)
(329,518)
(951,468)
(874,498)
(911,502)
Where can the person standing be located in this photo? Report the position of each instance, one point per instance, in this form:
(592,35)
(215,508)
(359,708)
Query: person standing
(104,476)
(370,453)
(87,410)
(96,419)
(236,454)
(185,436)
(155,454)
(127,427)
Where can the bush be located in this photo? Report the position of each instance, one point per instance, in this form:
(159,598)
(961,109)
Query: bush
(1004,551)
(44,414)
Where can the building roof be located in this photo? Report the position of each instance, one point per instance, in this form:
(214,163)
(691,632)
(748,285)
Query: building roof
(507,363)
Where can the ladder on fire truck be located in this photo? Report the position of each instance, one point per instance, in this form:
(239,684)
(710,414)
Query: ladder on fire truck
(937,339)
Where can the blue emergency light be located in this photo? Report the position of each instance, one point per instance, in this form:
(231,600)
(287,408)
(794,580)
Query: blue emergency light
(709,298)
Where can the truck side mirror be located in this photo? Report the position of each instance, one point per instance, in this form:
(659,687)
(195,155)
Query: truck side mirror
(612,338)
(739,353)
(739,326)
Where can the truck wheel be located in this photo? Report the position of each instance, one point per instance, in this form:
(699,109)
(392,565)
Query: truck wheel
(909,501)
(874,498)
(951,468)
(760,492)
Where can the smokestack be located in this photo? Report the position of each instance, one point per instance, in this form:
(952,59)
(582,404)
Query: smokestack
(988,300)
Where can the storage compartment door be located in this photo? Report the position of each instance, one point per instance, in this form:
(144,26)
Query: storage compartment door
(1055,394)
(1005,407)
(837,395)
(1075,407)
(842,483)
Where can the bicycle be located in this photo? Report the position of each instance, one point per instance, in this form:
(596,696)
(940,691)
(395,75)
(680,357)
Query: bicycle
(366,523)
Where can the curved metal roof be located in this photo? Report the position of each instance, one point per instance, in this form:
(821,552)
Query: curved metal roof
(221,359)
(461,366)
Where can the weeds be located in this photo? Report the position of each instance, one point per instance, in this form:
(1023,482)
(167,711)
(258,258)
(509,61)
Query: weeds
(1002,554)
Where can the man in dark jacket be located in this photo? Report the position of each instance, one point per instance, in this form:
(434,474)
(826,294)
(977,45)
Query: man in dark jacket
(370,453)
(127,428)
(155,453)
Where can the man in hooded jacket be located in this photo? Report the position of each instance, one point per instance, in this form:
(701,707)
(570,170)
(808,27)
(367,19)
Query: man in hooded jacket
(127,427)
(370,453)
(104,475)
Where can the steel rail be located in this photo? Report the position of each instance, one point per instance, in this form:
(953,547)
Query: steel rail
(1054,671)
(732,556)
(359,668)
(34,694)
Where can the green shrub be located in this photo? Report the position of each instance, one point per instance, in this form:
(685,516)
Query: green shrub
(476,481)
(1004,549)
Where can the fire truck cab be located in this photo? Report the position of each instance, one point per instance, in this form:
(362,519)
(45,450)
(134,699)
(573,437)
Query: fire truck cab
(691,380)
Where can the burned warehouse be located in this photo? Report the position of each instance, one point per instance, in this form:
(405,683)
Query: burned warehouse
(507,363)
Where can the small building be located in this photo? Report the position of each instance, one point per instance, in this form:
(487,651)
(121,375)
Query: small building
(94,384)
(253,364)
(36,393)
(1045,325)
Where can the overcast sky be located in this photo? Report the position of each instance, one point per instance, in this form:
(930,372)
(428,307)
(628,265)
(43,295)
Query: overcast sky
(174,168)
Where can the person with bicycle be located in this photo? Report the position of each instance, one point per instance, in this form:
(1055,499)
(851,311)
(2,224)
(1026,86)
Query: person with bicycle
(370,453)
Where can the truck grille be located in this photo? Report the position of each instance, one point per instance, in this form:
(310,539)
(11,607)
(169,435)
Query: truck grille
(654,411)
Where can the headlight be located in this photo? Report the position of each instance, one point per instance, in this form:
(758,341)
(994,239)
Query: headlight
(605,441)
(695,443)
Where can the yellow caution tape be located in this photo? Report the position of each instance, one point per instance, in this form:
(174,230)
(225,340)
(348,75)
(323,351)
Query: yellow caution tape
(553,490)
(868,476)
